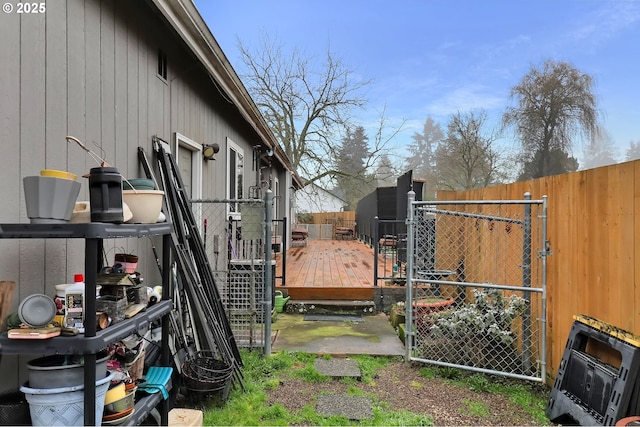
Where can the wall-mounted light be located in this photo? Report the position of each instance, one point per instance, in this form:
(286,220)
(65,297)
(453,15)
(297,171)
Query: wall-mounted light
(209,150)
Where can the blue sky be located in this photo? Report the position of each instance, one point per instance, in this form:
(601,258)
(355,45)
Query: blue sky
(429,58)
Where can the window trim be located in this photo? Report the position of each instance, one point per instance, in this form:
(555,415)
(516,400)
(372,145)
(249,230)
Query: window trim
(180,140)
(239,152)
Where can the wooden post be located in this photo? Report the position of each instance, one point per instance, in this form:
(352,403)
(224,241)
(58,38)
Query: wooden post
(6,299)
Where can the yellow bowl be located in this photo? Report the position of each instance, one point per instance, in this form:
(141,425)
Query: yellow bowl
(115,393)
(58,174)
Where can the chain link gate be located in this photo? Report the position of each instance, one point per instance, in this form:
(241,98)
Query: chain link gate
(476,285)
(234,233)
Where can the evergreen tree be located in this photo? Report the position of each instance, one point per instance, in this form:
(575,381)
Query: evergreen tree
(633,152)
(422,155)
(352,175)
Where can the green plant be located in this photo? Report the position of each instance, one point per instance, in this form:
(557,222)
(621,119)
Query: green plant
(369,365)
(449,372)
(477,382)
(490,316)
(427,372)
(477,409)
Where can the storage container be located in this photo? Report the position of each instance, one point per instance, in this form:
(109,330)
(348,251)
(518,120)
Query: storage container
(63,406)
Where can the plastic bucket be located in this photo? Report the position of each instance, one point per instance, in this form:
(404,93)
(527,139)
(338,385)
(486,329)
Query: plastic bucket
(63,406)
(57,371)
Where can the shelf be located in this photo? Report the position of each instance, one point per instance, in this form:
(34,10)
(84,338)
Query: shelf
(92,230)
(87,345)
(93,341)
(144,406)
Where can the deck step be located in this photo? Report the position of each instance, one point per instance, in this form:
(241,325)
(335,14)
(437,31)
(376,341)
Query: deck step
(331,306)
(328,293)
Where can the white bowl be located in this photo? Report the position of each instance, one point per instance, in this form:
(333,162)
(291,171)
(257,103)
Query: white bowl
(82,212)
(145,205)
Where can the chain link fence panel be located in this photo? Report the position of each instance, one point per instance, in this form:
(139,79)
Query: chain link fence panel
(477,280)
(233,233)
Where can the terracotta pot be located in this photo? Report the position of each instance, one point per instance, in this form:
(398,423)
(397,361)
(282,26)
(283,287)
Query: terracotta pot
(423,307)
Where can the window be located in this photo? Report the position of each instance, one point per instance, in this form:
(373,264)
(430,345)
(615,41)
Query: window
(235,175)
(162,65)
(275,187)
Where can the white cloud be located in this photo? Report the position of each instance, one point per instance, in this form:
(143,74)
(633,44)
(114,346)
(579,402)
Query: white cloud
(466,98)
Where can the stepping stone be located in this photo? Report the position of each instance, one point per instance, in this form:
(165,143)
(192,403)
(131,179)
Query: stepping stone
(338,368)
(353,407)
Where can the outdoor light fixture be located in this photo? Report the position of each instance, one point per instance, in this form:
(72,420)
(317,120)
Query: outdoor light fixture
(209,150)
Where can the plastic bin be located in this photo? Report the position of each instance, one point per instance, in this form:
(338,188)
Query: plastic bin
(63,406)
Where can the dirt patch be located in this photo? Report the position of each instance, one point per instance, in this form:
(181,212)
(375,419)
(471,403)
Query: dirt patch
(403,388)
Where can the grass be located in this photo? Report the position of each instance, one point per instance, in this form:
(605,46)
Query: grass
(261,374)
(475,408)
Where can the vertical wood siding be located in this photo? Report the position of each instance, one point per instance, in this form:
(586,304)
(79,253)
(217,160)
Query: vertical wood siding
(88,69)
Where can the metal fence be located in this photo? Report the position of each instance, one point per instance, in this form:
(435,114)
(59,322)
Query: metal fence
(476,276)
(317,231)
(234,233)
(389,241)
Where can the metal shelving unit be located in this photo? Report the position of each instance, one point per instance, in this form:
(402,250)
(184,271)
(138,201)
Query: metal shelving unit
(93,341)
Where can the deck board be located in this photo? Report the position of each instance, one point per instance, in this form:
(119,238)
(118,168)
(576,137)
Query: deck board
(331,264)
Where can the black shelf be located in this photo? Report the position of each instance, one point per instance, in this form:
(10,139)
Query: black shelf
(92,230)
(86,345)
(145,405)
(93,341)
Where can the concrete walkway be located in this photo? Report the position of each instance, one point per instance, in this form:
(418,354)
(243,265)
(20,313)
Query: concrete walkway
(373,335)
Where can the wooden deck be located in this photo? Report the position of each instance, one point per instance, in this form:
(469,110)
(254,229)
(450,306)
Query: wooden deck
(330,269)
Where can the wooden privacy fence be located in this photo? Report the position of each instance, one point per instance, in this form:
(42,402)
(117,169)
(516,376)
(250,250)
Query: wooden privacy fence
(594,239)
(340,219)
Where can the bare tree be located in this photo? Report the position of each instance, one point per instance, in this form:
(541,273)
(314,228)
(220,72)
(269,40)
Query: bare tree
(555,105)
(308,106)
(466,158)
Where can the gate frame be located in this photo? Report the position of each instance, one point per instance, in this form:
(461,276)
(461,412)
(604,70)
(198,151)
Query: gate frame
(268,278)
(410,333)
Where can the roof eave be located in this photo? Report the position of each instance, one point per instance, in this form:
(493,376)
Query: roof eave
(185,18)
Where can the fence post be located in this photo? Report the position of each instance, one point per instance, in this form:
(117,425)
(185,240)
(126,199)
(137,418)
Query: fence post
(285,239)
(526,282)
(408,324)
(544,252)
(376,249)
(268,288)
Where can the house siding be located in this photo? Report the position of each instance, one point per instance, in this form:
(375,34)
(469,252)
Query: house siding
(88,69)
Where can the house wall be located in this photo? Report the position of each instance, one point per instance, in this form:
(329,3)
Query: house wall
(313,199)
(89,69)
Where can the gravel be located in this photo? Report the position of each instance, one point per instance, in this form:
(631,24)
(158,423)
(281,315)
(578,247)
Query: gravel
(403,388)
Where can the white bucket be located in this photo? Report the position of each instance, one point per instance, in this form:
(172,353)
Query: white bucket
(63,406)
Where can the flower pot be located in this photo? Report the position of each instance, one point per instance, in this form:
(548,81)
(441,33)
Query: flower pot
(64,406)
(145,205)
(49,199)
(139,184)
(397,315)
(423,307)
(129,262)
